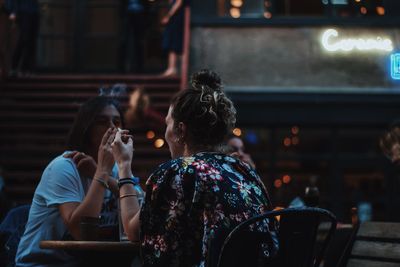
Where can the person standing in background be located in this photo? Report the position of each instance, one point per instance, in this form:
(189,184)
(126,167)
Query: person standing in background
(134,25)
(26,14)
(390,143)
(173,34)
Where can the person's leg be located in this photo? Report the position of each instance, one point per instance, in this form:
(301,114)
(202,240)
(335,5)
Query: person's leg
(28,60)
(139,30)
(123,44)
(21,43)
(172,59)
(131,43)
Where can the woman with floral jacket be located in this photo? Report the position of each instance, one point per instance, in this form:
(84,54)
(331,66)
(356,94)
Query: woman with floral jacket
(201,192)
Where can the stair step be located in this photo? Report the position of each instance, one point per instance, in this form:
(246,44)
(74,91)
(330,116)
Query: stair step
(41,95)
(24,190)
(36,114)
(64,114)
(70,106)
(21,176)
(55,139)
(83,87)
(43,128)
(106,78)
(42,162)
(10,150)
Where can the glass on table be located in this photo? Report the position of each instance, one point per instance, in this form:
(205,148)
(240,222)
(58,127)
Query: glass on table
(89,228)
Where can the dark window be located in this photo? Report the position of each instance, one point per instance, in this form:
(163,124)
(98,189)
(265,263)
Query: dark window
(271,9)
(345,163)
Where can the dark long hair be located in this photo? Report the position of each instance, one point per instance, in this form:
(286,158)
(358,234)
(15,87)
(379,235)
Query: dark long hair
(78,137)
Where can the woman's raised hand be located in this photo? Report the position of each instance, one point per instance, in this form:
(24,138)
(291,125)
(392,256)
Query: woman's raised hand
(105,158)
(85,163)
(122,148)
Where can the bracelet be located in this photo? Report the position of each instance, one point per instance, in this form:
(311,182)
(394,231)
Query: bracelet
(123,181)
(102,182)
(133,178)
(127,195)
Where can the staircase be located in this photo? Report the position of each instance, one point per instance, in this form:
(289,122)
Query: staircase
(36,115)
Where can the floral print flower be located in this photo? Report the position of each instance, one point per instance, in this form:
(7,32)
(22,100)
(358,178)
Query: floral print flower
(243,188)
(230,159)
(187,161)
(176,208)
(257,190)
(200,165)
(214,174)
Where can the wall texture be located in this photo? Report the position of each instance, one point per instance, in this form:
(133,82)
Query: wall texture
(290,57)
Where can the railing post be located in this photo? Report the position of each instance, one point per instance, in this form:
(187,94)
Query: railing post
(186,49)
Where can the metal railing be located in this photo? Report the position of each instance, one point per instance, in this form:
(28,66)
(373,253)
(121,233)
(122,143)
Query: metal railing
(186,49)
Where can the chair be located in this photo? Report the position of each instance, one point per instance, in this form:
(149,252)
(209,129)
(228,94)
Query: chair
(297,235)
(11,231)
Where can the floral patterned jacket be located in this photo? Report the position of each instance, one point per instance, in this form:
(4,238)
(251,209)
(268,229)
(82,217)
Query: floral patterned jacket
(189,199)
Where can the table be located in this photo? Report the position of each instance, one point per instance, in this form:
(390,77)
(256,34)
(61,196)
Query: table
(112,253)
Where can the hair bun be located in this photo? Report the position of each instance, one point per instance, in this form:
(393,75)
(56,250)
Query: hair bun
(206,78)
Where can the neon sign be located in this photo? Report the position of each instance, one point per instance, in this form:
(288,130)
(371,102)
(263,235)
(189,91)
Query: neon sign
(395,66)
(332,42)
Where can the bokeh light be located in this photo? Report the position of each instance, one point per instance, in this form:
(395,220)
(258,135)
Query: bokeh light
(363,10)
(295,141)
(236,3)
(286,179)
(267,15)
(235,12)
(380,10)
(150,135)
(295,130)
(277,183)
(237,132)
(158,143)
(287,142)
